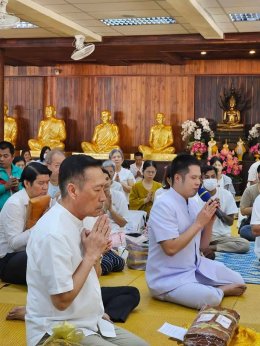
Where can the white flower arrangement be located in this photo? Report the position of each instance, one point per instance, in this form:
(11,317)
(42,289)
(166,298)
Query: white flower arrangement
(254,132)
(194,130)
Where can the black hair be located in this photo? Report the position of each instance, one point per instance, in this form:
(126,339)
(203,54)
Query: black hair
(73,169)
(44,149)
(18,159)
(7,145)
(138,153)
(166,177)
(215,159)
(32,170)
(207,168)
(25,151)
(105,172)
(149,163)
(180,165)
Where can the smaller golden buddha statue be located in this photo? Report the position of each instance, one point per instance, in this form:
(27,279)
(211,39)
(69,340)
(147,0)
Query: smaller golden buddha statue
(240,149)
(212,147)
(105,137)
(10,127)
(161,138)
(231,117)
(225,149)
(52,132)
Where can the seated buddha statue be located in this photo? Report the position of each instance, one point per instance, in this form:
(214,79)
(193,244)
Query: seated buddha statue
(231,116)
(161,138)
(10,127)
(105,137)
(52,132)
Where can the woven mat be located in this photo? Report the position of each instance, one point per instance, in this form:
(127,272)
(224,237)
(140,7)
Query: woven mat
(12,333)
(3,284)
(246,264)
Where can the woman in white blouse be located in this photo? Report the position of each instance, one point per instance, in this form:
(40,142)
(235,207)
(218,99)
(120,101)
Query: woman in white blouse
(122,175)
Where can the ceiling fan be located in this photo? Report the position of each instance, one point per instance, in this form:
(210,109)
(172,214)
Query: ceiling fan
(82,50)
(7,21)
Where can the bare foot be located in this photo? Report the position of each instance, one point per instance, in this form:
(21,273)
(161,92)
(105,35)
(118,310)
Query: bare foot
(233,289)
(17,313)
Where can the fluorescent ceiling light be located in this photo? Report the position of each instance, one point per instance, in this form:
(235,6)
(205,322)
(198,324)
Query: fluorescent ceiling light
(138,21)
(244,17)
(25,25)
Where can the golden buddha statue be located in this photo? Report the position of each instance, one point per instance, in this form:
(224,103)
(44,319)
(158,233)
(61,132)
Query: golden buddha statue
(161,138)
(240,149)
(212,147)
(10,127)
(52,132)
(231,118)
(225,149)
(105,137)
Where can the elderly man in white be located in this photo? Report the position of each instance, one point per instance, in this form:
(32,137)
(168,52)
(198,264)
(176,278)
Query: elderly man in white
(64,260)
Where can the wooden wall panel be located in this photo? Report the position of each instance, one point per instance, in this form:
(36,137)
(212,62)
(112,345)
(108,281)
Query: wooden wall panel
(24,96)
(191,67)
(134,94)
(209,88)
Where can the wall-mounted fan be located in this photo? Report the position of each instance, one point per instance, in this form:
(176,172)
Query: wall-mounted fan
(82,50)
(7,21)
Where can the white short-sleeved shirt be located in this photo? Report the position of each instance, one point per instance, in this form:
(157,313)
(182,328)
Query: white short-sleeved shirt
(54,253)
(119,205)
(53,190)
(255,220)
(13,236)
(124,176)
(170,216)
(228,206)
(252,172)
(116,186)
(134,169)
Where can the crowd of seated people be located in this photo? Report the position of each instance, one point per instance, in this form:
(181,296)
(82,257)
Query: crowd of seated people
(22,179)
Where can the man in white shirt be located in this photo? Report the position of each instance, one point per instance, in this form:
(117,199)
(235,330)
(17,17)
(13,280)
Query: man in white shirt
(13,232)
(53,159)
(255,223)
(63,261)
(178,229)
(221,232)
(137,167)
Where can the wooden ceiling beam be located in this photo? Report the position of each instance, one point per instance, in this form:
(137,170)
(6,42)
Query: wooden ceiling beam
(171,58)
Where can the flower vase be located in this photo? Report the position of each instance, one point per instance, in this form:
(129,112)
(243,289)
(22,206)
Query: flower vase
(257,156)
(198,155)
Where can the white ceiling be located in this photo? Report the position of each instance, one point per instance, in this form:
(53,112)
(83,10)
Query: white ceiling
(65,18)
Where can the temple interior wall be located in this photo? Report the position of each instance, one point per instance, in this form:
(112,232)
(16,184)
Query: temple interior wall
(133,94)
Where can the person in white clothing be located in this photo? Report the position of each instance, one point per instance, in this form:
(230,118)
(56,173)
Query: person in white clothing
(53,159)
(137,167)
(122,175)
(255,223)
(66,258)
(178,229)
(110,167)
(221,239)
(252,173)
(13,232)
(224,180)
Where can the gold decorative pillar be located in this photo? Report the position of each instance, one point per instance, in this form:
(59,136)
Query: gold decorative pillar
(2,66)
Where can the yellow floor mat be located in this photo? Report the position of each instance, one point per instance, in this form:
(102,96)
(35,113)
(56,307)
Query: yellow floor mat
(12,333)
(144,321)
